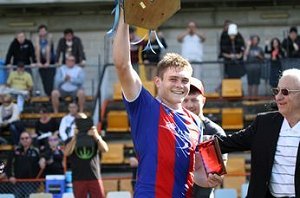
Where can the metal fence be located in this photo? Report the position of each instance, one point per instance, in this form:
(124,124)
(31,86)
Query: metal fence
(23,187)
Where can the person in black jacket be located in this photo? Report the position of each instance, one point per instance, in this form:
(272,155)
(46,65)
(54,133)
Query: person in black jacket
(20,50)
(70,45)
(24,164)
(273,139)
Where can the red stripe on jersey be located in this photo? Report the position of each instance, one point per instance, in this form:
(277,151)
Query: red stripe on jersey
(165,158)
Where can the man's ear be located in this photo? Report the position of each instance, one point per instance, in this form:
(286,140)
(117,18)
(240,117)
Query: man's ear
(157,81)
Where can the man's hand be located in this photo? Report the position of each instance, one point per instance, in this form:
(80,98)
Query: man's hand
(200,177)
(12,180)
(67,78)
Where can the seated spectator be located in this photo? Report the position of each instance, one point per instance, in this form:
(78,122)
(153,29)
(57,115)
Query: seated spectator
(44,51)
(70,45)
(52,157)
(45,127)
(20,50)
(24,164)
(10,119)
(67,124)
(21,83)
(69,81)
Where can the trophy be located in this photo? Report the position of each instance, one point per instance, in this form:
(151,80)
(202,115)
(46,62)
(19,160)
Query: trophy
(211,157)
(149,14)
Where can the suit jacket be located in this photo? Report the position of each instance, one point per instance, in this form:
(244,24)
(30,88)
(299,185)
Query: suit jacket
(261,138)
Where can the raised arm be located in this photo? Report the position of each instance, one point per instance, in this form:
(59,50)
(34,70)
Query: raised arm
(129,79)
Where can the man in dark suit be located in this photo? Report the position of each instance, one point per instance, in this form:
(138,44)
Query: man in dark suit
(273,139)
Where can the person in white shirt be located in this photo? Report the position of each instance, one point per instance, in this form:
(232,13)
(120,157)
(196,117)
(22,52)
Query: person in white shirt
(68,81)
(10,119)
(192,46)
(67,124)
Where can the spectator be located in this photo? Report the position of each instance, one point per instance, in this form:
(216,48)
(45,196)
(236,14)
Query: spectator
(276,54)
(150,58)
(273,139)
(192,46)
(88,139)
(10,119)
(254,56)
(24,164)
(20,50)
(164,135)
(195,102)
(70,45)
(291,44)
(21,83)
(67,124)
(135,47)
(45,127)
(232,50)
(52,157)
(44,51)
(69,81)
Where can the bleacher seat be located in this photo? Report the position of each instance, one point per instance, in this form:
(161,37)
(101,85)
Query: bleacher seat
(40,195)
(150,86)
(225,193)
(232,88)
(119,194)
(115,155)
(110,185)
(117,121)
(236,168)
(125,185)
(117,93)
(232,118)
(7,196)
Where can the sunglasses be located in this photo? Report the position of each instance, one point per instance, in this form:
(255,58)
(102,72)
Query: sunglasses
(284,91)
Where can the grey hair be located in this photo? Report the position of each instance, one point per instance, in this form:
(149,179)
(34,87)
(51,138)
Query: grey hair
(295,73)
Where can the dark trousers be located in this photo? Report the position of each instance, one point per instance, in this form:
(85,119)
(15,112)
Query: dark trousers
(47,76)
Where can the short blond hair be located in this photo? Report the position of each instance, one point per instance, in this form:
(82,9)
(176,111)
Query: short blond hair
(173,60)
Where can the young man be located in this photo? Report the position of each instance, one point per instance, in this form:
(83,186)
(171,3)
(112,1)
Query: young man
(165,135)
(273,139)
(195,102)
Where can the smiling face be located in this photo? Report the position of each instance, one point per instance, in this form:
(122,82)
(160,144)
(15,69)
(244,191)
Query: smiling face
(289,105)
(194,102)
(173,86)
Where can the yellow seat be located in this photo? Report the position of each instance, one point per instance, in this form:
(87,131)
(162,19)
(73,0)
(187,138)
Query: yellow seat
(117,121)
(232,118)
(110,185)
(125,185)
(150,86)
(117,94)
(115,155)
(236,173)
(232,88)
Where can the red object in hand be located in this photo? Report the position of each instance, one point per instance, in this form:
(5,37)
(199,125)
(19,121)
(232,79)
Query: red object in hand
(211,157)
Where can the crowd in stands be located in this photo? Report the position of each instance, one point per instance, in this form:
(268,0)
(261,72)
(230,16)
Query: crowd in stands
(62,75)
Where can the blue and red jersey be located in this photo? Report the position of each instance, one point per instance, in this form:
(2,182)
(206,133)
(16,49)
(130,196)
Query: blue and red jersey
(165,141)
